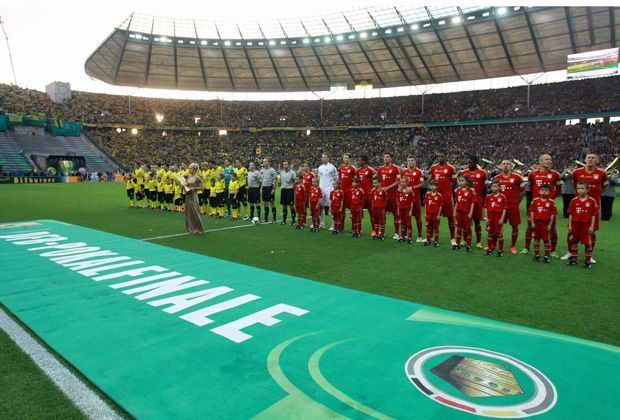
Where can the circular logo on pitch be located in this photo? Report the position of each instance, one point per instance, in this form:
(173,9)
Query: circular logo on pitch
(481,382)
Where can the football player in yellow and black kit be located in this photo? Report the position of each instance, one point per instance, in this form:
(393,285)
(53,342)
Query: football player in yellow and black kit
(220,193)
(130,187)
(139,175)
(203,199)
(169,193)
(161,195)
(150,190)
(242,196)
(233,196)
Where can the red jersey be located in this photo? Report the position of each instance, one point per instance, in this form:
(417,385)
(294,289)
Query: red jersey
(357,197)
(511,186)
(479,179)
(415,179)
(346,175)
(405,200)
(543,209)
(597,179)
(538,178)
(445,175)
(433,202)
(495,203)
(464,199)
(315,194)
(379,197)
(389,175)
(307,179)
(336,197)
(300,193)
(366,174)
(583,210)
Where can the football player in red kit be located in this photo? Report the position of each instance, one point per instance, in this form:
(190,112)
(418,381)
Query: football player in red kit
(378,199)
(513,187)
(301,198)
(542,214)
(445,175)
(479,182)
(357,206)
(366,174)
(544,175)
(314,201)
(415,182)
(465,202)
(390,174)
(433,200)
(346,172)
(583,212)
(405,202)
(308,176)
(495,206)
(336,197)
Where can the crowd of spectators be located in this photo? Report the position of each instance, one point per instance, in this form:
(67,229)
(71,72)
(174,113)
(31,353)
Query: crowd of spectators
(590,95)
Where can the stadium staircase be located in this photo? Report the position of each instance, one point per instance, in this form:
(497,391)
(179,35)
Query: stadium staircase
(48,145)
(11,157)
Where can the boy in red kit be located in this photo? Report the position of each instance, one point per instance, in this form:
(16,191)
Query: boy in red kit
(357,205)
(465,201)
(301,197)
(337,198)
(583,212)
(445,175)
(513,187)
(314,201)
(366,175)
(346,173)
(405,203)
(495,206)
(390,174)
(378,199)
(433,201)
(308,176)
(542,216)
(415,183)
(479,180)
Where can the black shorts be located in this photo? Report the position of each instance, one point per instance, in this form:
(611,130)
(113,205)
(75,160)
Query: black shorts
(207,196)
(234,202)
(254,195)
(139,195)
(152,195)
(161,197)
(213,200)
(242,194)
(287,196)
(267,197)
(221,199)
(130,193)
(169,198)
(202,198)
(178,201)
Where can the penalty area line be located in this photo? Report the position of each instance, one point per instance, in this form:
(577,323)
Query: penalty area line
(185,233)
(85,399)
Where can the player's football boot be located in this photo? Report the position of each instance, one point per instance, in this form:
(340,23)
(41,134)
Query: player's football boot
(554,254)
(572,261)
(452,242)
(455,247)
(382,237)
(283,222)
(565,256)
(587,265)
(537,258)
(525,251)
(546,260)
(436,244)
(488,253)
(419,239)
(500,253)
(409,241)
(592,260)
(468,249)
(396,237)
(513,250)
(479,245)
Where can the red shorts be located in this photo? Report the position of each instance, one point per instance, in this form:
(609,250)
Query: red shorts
(447,208)
(432,222)
(462,220)
(579,233)
(477,214)
(314,211)
(404,218)
(378,216)
(513,215)
(540,230)
(391,205)
(347,199)
(493,225)
(356,212)
(416,208)
(300,207)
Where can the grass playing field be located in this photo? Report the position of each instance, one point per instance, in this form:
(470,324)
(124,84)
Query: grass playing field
(513,289)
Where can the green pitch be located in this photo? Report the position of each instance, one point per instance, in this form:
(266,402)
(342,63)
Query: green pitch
(513,289)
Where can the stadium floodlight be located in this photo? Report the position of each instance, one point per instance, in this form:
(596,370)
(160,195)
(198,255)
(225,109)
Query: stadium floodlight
(363,35)
(272,42)
(308,132)
(237,43)
(400,30)
(159,117)
(426,25)
(516,8)
(196,119)
(415,27)
(192,42)
(261,43)
(388,31)
(118,130)
(373,33)
(317,39)
(485,14)
(456,19)
(156,39)
(326,39)
(164,133)
(294,42)
(472,17)
(351,36)
(282,42)
(203,42)
(216,43)
(339,37)
(442,22)
(179,41)
(222,132)
(164,39)
(249,43)
(227,43)
(502,11)
(306,41)
(134,131)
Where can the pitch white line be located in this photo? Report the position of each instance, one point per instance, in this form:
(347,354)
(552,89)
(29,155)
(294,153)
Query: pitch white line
(184,233)
(87,401)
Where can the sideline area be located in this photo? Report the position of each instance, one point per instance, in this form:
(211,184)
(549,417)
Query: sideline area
(165,333)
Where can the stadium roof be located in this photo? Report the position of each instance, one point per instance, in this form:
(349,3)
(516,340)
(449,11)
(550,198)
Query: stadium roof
(382,47)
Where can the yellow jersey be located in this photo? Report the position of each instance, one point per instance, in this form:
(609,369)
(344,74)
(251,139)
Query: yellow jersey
(233,187)
(169,188)
(129,184)
(177,191)
(139,172)
(219,186)
(160,186)
(151,185)
(242,176)
(217,170)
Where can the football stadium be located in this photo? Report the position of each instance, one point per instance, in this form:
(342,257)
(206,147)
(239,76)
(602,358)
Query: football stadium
(328,210)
